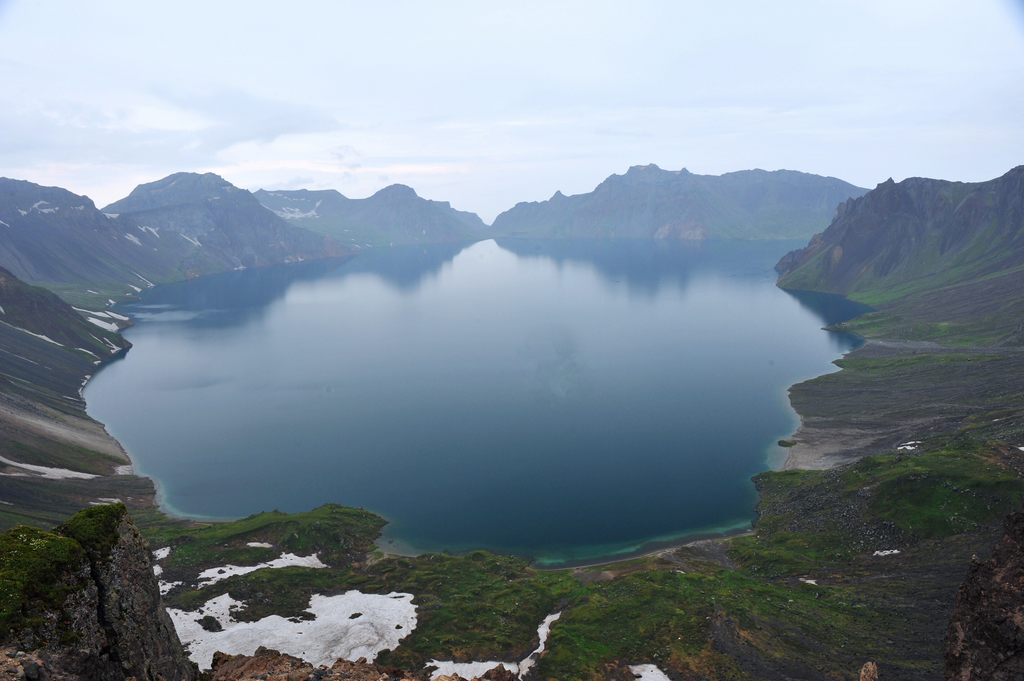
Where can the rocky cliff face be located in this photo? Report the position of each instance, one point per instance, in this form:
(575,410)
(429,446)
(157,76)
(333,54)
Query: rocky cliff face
(52,237)
(84,601)
(985,638)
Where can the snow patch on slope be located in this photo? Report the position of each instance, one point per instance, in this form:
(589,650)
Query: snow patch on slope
(335,632)
(108,326)
(214,575)
(47,472)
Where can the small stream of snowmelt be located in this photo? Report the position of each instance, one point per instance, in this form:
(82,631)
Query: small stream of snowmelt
(470,670)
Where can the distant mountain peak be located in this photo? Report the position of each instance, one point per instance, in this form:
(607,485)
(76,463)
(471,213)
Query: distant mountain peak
(173,190)
(649,168)
(397,191)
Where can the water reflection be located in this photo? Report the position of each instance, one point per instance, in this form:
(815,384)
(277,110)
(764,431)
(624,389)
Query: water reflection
(832,309)
(242,296)
(645,266)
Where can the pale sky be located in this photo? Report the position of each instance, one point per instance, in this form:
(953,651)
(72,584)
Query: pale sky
(485,104)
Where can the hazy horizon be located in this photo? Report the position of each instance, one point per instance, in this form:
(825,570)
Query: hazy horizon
(486,106)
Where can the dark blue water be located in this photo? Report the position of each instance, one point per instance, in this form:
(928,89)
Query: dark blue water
(561,400)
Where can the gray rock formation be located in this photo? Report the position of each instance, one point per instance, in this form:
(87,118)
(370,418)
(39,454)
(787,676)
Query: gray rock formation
(985,638)
(86,603)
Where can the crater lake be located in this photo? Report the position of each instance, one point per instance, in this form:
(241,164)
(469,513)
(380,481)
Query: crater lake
(568,401)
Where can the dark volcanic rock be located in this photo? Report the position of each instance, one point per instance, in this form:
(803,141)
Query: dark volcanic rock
(224,227)
(45,314)
(985,638)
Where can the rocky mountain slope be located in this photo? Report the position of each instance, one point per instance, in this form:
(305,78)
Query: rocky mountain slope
(84,598)
(946,258)
(46,317)
(53,238)
(223,227)
(648,202)
(47,347)
(54,459)
(179,227)
(395,215)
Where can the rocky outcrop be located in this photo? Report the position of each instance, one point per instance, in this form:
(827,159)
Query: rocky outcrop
(985,638)
(220,226)
(270,665)
(84,602)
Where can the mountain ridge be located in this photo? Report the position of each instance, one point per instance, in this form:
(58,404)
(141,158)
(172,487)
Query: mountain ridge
(394,215)
(649,202)
(945,260)
(54,238)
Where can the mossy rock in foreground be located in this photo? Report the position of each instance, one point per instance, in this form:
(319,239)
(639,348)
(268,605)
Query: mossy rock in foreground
(95,529)
(38,572)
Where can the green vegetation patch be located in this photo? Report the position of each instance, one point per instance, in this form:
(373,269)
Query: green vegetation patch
(480,606)
(815,521)
(57,454)
(37,571)
(889,367)
(669,618)
(95,529)
(936,494)
(337,533)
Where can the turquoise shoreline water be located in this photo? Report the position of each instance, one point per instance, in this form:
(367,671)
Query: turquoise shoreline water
(567,401)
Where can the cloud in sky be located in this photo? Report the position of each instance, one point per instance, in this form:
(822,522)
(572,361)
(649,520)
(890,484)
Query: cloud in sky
(487,104)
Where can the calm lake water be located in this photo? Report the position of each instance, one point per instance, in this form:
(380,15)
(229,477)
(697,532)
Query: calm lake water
(562,400)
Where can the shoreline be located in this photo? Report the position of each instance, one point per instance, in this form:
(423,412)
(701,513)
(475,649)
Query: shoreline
(647,552)
(825,442)
(644,550)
